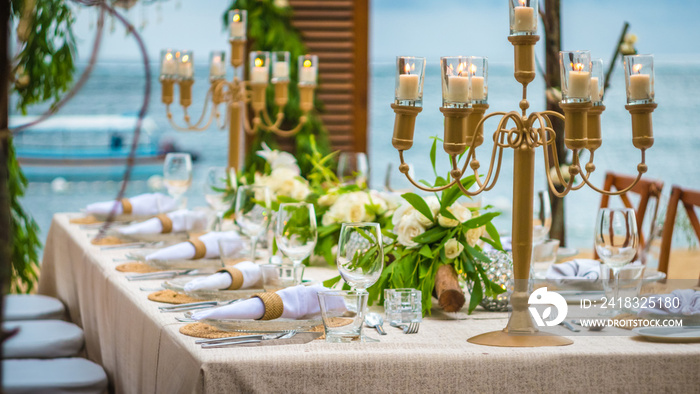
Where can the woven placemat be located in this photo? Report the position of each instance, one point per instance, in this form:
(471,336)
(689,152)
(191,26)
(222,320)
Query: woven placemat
(203,330)
(108,240)
(136,267)
(171,297)
(85,220)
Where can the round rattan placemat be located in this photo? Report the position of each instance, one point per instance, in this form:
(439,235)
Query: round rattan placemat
(171,297)
(203,330)
(136,267)
(85,220)
(108,240)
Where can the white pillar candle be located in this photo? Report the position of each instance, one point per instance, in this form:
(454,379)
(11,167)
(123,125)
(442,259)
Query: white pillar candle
(216,69)
(408,87)
(237,29)
(307,75)
(579,84)
(258,74)
(595,90)
(169,66)
(457,89)
(640,87)
(280,70)
(524,19)
(185,70)
(476,86)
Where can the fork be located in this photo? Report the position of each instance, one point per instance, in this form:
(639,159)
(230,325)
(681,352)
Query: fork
(196,305)
(232,342)
(161,275)
(410,328)
(273,335)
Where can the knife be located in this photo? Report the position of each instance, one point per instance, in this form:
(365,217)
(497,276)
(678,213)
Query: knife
(298,339)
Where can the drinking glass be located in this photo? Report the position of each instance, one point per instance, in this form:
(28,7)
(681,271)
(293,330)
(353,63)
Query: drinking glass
(360,256)
(280,276)
(542,216)
(353,167)
(220,182)
(616,241)
(396,182)
(343,314)
(177,174)
(296,232)
(253,212)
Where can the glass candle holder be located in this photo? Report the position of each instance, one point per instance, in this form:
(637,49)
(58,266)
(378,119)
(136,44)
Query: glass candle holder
(455,81)
(308,70)
(168,64)
(410,74)
(575,76)
(217,67)
(597,81)
(237,24)
(639,78)
(259,71)
(478,80)
(185,66)
(523,17)
(280,67)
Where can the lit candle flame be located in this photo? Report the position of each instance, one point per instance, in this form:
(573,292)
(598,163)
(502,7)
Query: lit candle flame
(237,17)
(522,3)
(168,56)
(407,68)
(472,69)
(460,67)
(258,62)
(637,68)
(307,63)
(577,66)
(185,58)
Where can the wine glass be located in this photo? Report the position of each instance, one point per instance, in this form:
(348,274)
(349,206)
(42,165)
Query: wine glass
(296,231)
(177,174)
(360,256)
(220,182)
(353,167)
(616,240)
(542,216)
(253,212)
(396,182)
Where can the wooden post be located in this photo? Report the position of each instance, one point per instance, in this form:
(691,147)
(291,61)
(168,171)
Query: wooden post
(552,43)
(447,290)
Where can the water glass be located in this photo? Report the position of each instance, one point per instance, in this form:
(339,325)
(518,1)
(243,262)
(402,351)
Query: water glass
(280,276)
(545,252)
(353,167)
(343,313)
(229,252)
(253,213)
(360,257)
(296,231)
(177,174)
(629,281)
(402,306)
(220,183)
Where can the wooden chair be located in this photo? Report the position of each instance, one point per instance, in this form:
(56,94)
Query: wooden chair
(647,189)
(690,200)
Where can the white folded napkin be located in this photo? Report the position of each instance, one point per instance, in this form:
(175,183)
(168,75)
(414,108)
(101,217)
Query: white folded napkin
(183,220)
(580,269)
(144,204)
(688,304)
(186,250)
(299,302)
(252,277)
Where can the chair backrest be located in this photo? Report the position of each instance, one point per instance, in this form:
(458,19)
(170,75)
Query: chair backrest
(690,200)
(647,189)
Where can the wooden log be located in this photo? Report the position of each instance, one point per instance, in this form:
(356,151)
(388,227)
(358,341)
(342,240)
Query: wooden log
(447,290)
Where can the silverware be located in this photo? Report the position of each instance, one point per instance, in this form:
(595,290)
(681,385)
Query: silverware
(375,321)
(197,305)
(410,328)
(161,275)
(569,326)
(263,337)
(596,327)
(143,288)
(285,335)
(185,319)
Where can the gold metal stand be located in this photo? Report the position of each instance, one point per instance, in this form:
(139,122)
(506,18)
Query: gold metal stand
(527,133)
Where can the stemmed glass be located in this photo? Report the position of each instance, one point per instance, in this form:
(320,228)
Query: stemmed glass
(353,167)
(220,182)
(360,257)
(253,212)
(296,231)
(616,240)
(542,216)
(177,174)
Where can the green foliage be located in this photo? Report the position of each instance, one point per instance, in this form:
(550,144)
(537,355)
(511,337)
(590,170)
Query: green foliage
(270,29)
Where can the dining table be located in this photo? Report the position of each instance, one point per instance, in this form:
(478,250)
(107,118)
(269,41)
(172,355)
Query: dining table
(143,351)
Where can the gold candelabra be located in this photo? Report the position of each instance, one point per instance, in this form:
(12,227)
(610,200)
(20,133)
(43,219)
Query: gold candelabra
(238,95)
(464,105)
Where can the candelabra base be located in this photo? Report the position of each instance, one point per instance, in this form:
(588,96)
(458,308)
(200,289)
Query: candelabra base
(505,339)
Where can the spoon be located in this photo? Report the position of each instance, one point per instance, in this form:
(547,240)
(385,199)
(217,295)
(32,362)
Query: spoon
(375,320)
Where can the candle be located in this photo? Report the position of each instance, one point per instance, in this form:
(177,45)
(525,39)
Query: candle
(524,18)
(579,85)
(280,70)
(458,89)
(258,73)
(307,74)
(185,69)
(595,91)
(217,67)
(237,27)
(169,66)
(408,87)
(640,86)
(477,91)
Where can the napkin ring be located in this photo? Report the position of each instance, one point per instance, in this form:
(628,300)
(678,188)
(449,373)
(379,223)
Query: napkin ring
(236,277)
(200,250)
(273,305)
(166,223)
(126,206)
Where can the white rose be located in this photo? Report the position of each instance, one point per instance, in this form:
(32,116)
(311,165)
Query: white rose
(434,206)
(278,159)
(407,229)
(453,248)
(327,200)
(474,234)
(300,191)
(356,213)
(404,210)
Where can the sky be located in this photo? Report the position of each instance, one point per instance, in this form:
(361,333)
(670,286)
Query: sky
(430,28)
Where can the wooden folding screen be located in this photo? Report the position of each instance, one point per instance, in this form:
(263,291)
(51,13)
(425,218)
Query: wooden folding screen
(690,200)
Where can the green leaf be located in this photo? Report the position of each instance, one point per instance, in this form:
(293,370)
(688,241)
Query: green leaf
(433,151)
(426,251)
(430,236)
(331,282)
(495,237)
(419,204)
(480,220)
(476,296)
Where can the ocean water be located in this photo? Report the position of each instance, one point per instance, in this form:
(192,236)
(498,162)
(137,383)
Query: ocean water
(117,88)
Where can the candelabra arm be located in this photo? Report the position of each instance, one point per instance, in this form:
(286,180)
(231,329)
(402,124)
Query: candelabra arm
(471,155)
(641,169)
(404,169)
(269,126)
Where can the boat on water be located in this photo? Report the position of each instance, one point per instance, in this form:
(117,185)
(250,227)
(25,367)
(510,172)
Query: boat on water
(88,148)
